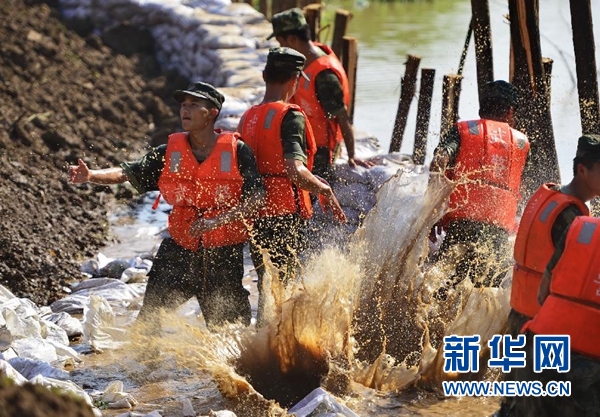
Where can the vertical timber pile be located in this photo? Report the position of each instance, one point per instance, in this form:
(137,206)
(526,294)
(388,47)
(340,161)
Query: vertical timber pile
(480,23)
(532,113)
(350,63)
(587,76)
(423,115)
(407,92)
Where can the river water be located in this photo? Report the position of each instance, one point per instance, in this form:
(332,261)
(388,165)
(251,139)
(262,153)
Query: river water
(435,30)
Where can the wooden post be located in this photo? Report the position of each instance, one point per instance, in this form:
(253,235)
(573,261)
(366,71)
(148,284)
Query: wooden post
(587,78)
(423,115)
(278,6)
(532,112)
(463,55)
(483,42)
(450,98)
(350,63)
(263,7)
(407,91)
(548,63)
(339,31)
(585,63)
(312,12)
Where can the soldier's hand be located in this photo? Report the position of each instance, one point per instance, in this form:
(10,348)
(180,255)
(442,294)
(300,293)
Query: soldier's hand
(353,162)
(329,201)
(80,173)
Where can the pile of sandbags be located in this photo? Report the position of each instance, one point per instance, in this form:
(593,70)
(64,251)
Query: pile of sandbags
(209,40)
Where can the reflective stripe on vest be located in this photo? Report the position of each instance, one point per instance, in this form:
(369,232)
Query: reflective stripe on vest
(489,165)
(202,189)
(261,131)
(534,247)
(326,131)
(573,306)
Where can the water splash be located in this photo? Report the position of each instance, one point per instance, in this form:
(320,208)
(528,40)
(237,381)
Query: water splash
(360,317)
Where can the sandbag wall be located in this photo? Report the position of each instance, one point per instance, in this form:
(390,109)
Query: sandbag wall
(215,41)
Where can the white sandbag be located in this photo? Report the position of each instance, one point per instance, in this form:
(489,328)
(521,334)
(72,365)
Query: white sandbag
(221,413)
(66,386)
(24,307)
(35,348)
(355,195)
(64,353)
(51,331)
(136,414)
(108,288)
(224,41)
(98,325)
(12,373)
(22,322)
(133,274)
(5,294)
(381,173)
(260,30)
(245,77)
(30,368)
(68,323)
(71,304)
(8,354)
(214,19)
(319,403)
(219,30)
(347,174)
(227,123)
(114,396)
(6,337)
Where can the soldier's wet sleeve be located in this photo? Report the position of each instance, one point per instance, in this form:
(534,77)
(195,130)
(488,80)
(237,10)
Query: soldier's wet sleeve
(144,173)
(559,248)
(330,93)
(253,182)
(293,136)
(563,222)
(450,144)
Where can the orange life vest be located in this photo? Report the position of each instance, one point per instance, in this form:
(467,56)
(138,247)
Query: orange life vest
(573,306)
(534,247)
(202,190)
(261,131)
(327,131)
(492,156)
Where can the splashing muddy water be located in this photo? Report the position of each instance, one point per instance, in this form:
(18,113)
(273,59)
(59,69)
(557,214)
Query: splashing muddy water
(362,323)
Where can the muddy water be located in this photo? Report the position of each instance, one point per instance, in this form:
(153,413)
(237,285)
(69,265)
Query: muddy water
(362,321)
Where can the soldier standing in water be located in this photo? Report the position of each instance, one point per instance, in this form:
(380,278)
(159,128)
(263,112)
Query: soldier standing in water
(280,136)
(488,156)
(211,179)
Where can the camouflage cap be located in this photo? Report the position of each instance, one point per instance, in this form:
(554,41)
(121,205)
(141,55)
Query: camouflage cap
(286,60)
(201,90)
(588,147)
(500,90)
(286,21)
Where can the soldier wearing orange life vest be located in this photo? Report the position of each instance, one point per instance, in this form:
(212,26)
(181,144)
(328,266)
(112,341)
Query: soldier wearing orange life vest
(487,158)
(284,146)
(324,95)
(546,217)
(570,305)
(212,181)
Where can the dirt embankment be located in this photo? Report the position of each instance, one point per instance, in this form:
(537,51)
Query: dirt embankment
(65,94)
